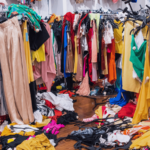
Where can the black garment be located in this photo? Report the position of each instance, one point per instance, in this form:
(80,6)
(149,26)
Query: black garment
(37,39)
(66,119)
(69,83)
(18,140)
(33,94)
(117,56)
(57,28)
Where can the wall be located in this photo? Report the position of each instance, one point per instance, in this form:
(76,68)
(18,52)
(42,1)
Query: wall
(60,7)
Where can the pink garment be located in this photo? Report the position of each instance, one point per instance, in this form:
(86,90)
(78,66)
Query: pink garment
(84,89)
(53,127)
(46,69)
(94,72)
(109,48)
(84,65)
(114,1)
(94,43)
(91,119)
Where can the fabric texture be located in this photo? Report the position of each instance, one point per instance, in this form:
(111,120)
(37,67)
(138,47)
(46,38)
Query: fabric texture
(127,111)
(62,101)
(39,54)
(37,39)
(26,11)
(46,69)
(39,142)
(14,71)
(143,104)
(137,57)
(84,89)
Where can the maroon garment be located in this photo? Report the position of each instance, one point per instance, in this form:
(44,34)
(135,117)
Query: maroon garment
(89,40)
(127,111)
(69,17)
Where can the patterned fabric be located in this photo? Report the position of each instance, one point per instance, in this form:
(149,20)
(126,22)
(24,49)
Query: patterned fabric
(25,11)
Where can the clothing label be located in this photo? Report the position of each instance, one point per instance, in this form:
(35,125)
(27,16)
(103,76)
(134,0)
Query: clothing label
(27,36)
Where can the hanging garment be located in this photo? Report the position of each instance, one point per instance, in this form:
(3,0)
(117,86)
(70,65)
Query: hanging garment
(29,64)
(38,39)
(112,65)
(89,37)
(57,28)
(14,71)
(65,53)
(128,82)
(137,58)
(143,104)
(39,54)
(75,55)
(108,33)
(84,89)
(94,43)
(46,69)
(118,37)
(3,107)
(27,51)
(52,18)
(105,71)
(26,11)
(58,60)
(96,16)
(69,59)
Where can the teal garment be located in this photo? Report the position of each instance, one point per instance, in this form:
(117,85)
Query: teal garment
(137,57)
(26,11)
(118,70)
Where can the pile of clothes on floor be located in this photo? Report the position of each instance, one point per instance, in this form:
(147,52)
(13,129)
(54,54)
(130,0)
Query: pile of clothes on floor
(53,113)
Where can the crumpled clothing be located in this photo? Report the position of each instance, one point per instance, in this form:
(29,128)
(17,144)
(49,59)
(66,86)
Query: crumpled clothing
(83,133)
(38,116)
(19,128)
(144,140)
(53,127)
(40,142)
(127,110)
(62,101)
(117,136)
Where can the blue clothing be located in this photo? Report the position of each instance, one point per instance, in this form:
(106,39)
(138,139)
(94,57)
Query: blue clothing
(120,100)
(134,1)
(65,53)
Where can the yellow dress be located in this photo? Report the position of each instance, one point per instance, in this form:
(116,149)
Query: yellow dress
(143,104)
(128,82)
(76,55)
(118,37)
(27,51)
(39,54)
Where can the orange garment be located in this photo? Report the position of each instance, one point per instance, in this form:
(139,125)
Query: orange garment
(112,65)
(53,17)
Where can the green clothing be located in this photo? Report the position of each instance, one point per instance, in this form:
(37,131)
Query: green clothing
(137,57)
(25,11)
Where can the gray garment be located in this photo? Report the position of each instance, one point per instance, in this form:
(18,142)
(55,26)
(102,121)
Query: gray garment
(3,108)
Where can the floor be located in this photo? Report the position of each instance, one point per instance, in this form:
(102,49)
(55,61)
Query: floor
(84,107)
